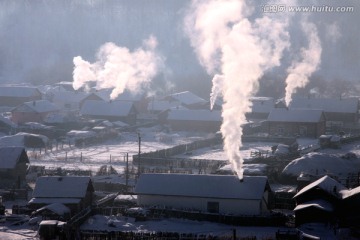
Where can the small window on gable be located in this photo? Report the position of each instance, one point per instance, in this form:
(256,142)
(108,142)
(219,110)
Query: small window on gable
(213,207)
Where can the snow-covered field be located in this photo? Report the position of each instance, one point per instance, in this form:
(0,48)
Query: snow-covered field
(114,152)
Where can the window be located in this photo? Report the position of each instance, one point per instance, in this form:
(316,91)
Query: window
(303,131)
(213,207)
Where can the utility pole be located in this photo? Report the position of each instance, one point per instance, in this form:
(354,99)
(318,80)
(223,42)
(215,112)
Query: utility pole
(139,138)
(127,172)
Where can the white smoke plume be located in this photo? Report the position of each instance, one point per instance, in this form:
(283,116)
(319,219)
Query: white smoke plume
(216,89)
(238,51)
(119,68)
(300,71)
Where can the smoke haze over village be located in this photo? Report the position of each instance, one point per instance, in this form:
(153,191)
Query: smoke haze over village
(39,40)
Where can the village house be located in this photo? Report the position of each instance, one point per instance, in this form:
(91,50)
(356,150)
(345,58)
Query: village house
(139,100)
(260,108)
(188,100)
(13,165)
(192,120)
(75,192)
(319,201)
(113,110)
(295,122)
(35,111)
(6,125)
(219,194)
(70,100)
(13,96)
(339,113)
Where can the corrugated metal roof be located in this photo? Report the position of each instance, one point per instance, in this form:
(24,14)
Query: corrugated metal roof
(211,186)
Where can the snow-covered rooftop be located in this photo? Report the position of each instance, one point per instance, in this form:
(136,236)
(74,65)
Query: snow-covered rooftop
(39,106)
(19,91)
(295,115)
(317,203)
(61,187)
(211,186)
(188,98)
(194,115)
(262,104)
(348,105)
(9,156)
(102,108)
(325,183)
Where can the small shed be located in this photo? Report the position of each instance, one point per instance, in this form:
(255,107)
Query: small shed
(13,165)
(75,192)
(219,194)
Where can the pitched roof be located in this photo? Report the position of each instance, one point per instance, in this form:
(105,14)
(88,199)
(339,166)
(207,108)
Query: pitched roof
(317,203)
(295,115)
(61,187)
(125,96)
(325,183)
(161,105)
(262,104)
(19,91)
(10,156)
(102,108)
(39,106)
(350,193)
(347,105)
(188,98)
(211,186)
(194,115)
(68,96)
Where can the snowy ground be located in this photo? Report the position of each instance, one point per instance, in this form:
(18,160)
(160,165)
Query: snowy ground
(113,152)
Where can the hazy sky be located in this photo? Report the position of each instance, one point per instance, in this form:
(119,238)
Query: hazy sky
(40,38)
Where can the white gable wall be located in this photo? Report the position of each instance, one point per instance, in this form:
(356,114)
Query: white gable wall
(226,206)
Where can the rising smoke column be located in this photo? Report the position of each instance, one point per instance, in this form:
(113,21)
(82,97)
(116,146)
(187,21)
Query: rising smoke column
(300,71)
(119,68)
(237,51)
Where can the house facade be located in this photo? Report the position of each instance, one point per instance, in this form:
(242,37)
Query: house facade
(13,165)
(193,120)
(112,110)
(75,192)
(35,111)
(295,122)
(320,201)
(339,113)
(205,193)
